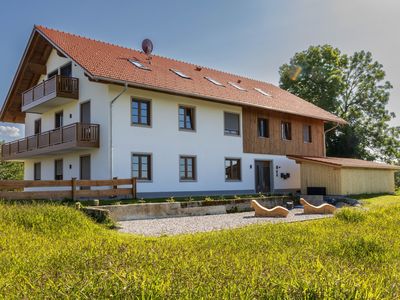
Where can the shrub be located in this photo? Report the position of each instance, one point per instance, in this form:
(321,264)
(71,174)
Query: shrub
(351,215)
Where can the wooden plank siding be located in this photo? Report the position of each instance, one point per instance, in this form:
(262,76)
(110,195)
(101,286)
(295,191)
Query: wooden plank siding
(252,143)
(315,175)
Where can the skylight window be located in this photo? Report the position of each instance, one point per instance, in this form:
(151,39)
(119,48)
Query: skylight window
(213,81)
(236,86)
(180,74)
(139,64)
(263,92)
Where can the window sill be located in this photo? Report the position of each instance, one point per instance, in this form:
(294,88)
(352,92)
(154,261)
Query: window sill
(140,125)
(187,130)
(233,180)
(187,180)
(232,134)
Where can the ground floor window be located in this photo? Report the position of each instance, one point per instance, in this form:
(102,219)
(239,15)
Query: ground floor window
(232,169)
(58,169)
(141,166)
(187,168)
(37,170)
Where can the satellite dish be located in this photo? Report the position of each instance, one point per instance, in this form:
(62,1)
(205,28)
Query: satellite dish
(147,46)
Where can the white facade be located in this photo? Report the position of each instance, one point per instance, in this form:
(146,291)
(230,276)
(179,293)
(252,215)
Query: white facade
(163,140)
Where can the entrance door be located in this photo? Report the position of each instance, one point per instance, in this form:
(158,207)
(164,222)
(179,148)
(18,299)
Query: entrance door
(85,113)
(263,176)
(85,169)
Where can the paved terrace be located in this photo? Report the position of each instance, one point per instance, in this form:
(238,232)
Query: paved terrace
(182,225)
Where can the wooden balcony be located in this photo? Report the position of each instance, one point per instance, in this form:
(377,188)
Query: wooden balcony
(56,91)
(64,139)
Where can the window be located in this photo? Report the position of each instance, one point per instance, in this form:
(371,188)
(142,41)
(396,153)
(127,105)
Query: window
(141,166)
(140,112)
(38,126)
(263,127)
(232,123)
(286,130)
(232,169)
(59,119)
(236,86)
(52,74)
(263,92)
(213,81)
(66,70)
(139,65)
(307,136)
(37,169)
(186,117)
(180,74)
(58,169)
(187,168)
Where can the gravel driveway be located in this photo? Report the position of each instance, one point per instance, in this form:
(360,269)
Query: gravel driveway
(180,225)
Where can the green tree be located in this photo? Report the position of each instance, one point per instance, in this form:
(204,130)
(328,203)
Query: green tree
(352,87)
(11,170)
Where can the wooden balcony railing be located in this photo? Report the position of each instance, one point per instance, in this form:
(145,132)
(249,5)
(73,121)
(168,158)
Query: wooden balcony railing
(56,86)
(65,138)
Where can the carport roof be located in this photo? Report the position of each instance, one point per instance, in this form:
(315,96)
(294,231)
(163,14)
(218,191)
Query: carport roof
(341,162)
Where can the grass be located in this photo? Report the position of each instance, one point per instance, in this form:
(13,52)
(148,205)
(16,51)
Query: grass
(53,251)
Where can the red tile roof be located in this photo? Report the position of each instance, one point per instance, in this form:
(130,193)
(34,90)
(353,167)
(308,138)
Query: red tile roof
(110,62)
(344,162)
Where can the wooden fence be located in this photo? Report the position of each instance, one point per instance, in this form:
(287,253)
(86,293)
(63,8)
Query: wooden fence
(69,189)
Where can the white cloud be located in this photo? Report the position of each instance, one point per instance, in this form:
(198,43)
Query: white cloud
(9,131)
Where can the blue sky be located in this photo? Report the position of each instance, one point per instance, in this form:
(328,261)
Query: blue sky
(251,38)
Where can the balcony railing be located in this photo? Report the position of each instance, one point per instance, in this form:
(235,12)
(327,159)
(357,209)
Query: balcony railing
(70,137)
(55,87)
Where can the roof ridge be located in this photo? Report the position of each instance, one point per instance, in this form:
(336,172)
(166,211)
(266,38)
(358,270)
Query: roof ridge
(157,55)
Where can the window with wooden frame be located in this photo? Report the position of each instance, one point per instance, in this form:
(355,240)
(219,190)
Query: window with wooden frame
(286,129)
(58,169)
(186,117)
(58,119)
(187,168)
(38,126)
(307,134)
(231,123)
(141,166)
(232,169)
(263,127)
(140,112)
(37,171)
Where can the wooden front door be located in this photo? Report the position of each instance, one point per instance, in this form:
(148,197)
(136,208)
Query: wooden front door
(263,176)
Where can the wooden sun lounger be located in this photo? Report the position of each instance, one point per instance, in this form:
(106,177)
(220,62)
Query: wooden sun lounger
(261,211)
(321,209)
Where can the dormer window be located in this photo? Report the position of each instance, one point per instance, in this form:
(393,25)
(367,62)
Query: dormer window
(180,74)
(263,92)
(237,86)
(213,81)
(139,64)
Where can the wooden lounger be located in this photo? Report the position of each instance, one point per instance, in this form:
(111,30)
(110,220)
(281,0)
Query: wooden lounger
(321,209)
(261,211)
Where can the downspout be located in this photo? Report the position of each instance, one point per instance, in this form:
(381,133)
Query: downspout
(111,162)
(325,132)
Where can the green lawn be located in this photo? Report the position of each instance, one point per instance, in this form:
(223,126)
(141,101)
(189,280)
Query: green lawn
(50,251)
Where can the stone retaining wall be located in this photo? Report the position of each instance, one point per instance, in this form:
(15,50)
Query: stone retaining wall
(142,211)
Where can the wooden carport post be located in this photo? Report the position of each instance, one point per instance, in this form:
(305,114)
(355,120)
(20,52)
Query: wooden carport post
(73,188)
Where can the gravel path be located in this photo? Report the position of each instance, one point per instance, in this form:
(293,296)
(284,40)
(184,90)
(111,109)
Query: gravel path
(180,225)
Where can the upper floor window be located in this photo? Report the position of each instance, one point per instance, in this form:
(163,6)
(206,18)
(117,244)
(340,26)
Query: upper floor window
(263,127)
(140,112)
(37,168)
(58,169)
(66,70)
(232,169)
(286,129)
(307,136)
(38,126)
(141,166)
(58,119)
(187,168)
(186,117)
(231,123)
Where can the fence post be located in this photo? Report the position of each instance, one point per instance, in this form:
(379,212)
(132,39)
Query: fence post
(115,186)
(73,188)
(134,196)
